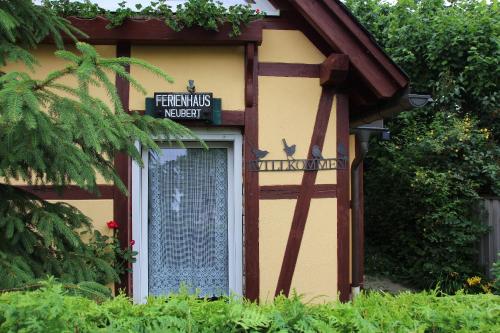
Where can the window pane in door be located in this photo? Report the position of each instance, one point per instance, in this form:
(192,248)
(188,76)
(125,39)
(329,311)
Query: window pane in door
(188,218)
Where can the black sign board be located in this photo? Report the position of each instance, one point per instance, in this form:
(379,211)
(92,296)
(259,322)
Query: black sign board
(183,106)
(314,164)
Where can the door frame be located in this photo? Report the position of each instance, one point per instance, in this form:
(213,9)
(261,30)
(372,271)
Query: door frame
(235,211)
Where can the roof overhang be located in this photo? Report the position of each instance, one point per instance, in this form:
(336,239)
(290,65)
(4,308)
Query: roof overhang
(337,26)
(373,80)
(155,32)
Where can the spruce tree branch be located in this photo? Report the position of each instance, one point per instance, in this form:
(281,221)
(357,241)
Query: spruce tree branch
(51,78)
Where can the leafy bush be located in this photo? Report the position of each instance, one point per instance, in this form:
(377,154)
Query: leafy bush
(208,14)
(422,187)
(430,175)
(496,273)
(50,309)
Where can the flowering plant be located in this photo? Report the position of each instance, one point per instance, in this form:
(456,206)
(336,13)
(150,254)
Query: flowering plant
(112,224)
(478,285)
(120,257)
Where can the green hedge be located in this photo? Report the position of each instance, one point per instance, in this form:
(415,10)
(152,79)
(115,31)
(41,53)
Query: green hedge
(51,310)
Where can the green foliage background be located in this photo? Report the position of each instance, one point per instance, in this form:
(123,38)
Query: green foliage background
(422,216)
(51,309)
(207,14)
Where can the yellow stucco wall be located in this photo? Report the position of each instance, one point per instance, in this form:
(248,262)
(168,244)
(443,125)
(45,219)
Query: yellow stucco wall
(289,46)
(315,274)
(274,225)
(99,211)
(214,69)
(316,271)
(287,109)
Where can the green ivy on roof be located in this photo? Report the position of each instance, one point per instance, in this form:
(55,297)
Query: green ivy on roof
(207,14)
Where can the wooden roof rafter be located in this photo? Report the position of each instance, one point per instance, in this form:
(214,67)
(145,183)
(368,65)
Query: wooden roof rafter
(345,35)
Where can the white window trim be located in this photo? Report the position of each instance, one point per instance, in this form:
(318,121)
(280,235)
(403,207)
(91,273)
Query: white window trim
(235,217)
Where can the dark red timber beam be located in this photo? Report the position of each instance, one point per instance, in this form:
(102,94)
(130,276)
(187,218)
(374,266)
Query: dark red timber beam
(251,179)
(122,206)
(288,70)
(343,246)
(277,192)
(345,36)
(305,195)
(343,15)
(233,118)
(72,192)
(334,70)
(155,31)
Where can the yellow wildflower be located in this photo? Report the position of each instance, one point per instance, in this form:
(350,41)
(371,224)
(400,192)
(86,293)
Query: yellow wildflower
(486,288)
(473,280)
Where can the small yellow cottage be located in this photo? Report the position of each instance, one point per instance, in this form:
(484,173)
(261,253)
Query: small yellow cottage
(267,208)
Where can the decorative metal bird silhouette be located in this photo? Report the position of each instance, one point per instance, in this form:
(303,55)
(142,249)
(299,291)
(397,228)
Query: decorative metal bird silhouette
(191,88)
(316,153)
(289,150)
(258,153)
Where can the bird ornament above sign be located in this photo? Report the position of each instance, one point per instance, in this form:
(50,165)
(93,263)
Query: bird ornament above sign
(316,163)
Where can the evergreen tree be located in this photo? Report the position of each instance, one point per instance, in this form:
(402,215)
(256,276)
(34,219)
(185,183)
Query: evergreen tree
(52,133)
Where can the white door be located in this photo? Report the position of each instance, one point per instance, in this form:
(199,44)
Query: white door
(190,221)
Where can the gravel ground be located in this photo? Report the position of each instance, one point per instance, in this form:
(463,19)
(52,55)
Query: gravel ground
(384,284)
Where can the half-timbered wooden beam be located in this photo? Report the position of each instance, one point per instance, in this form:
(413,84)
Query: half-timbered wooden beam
(122,206)
(251,65)
(72,192)
(251,179)
(270,192)
(304,198)
(363,36)
(155,31)
(343,246)
(333,71)
(344,36)
(288,69)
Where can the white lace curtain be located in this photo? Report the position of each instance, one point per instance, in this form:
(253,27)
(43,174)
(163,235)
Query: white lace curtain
(188,241)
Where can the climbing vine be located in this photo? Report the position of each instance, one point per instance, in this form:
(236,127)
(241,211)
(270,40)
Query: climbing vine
(206,14)
(423,218)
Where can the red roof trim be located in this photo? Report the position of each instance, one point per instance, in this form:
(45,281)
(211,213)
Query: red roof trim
(155,31)
(344,35)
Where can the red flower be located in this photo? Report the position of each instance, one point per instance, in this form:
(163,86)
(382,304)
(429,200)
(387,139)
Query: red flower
(132,242)
(257,11)
(112,224)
